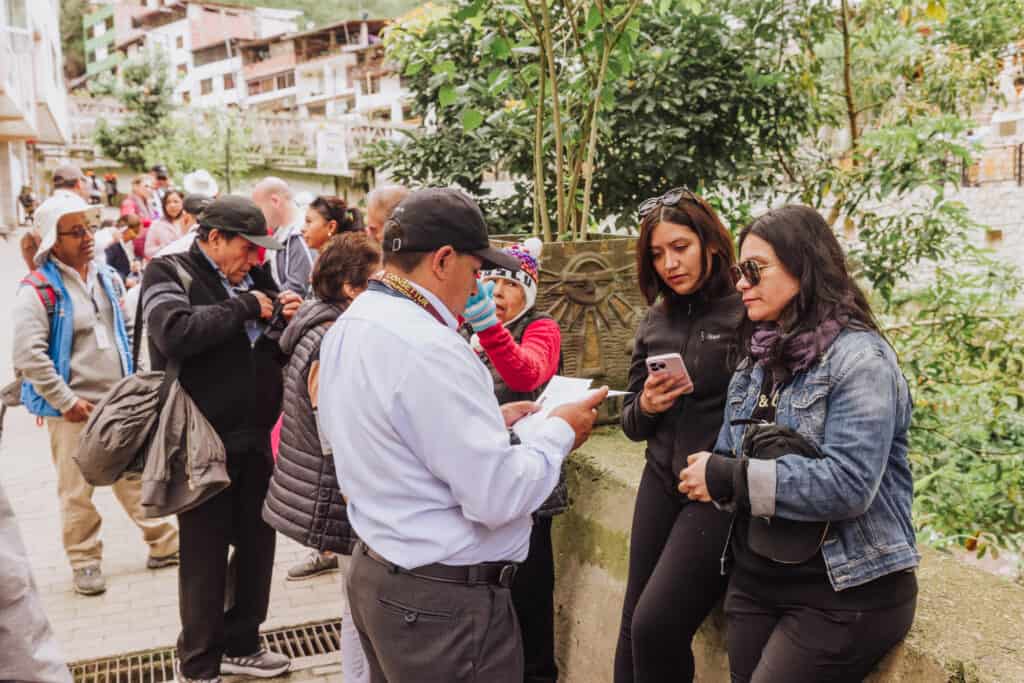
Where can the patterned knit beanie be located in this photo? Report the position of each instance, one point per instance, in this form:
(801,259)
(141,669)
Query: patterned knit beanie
(528,254)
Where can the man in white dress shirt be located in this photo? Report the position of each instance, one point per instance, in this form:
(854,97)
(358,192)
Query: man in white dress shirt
(440,498)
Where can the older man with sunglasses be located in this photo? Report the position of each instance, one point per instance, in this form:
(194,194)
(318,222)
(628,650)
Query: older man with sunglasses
(71,345)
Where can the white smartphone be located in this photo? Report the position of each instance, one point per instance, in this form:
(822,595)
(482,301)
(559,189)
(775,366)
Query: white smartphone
(670,363)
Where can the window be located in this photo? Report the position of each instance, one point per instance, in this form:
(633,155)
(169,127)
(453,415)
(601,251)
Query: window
(17,14)
(229,81)
(179,42)
(109,23)
(374,85)
(206,86)
(286,80)
(261,86)
(183,70)
(208,55)
(186,97)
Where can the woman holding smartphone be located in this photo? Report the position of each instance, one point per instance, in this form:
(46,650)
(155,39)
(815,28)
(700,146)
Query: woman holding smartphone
(684,256)
(813,459)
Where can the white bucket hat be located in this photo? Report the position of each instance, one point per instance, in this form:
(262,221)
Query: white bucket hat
(201,182)
(51,211)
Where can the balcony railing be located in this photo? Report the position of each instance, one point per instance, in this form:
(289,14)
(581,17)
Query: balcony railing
(272,136)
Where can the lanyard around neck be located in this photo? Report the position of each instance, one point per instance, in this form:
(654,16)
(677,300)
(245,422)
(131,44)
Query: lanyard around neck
(399,286)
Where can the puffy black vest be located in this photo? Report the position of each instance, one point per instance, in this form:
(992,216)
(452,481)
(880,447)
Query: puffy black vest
(303,500)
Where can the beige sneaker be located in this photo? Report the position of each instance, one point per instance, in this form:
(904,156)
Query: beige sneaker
(89,580)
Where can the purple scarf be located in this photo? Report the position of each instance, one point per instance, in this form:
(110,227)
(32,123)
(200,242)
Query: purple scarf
(798,351)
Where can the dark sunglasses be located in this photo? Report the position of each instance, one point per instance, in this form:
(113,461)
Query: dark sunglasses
(750,270)
(671,198)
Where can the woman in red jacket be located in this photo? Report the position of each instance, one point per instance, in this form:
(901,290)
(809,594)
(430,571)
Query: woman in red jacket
(522,348)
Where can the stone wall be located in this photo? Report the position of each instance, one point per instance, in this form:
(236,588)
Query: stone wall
(998,205)
(969,626)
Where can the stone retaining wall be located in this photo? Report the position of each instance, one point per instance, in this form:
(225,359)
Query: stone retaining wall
(969,626)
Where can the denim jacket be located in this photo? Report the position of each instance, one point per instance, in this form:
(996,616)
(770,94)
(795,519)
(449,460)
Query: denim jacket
(855,404)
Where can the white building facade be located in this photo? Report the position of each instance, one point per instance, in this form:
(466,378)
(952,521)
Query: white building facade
(33,100)
(200,42)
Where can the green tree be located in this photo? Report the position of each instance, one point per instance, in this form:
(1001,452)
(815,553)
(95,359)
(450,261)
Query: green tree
(145,90)
(73,36)
(681,96)
(203,139)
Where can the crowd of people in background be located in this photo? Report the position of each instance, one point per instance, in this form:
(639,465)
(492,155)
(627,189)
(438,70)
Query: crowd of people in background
(365,373)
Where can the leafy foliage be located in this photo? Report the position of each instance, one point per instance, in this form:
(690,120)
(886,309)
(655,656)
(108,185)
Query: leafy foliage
(145,91)
(963,351)
(73,36)
(701,98)
(203,139)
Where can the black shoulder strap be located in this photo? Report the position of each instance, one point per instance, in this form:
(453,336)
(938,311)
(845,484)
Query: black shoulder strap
(173,365)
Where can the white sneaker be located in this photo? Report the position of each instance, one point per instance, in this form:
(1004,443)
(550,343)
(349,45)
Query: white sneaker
(262,664)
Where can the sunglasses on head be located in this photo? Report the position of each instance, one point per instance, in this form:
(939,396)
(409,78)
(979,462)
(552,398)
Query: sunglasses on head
(671,198)
(749,270)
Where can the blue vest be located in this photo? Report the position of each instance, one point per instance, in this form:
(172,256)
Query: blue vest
(62,332)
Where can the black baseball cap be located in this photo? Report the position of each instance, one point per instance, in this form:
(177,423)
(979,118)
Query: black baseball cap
(240,215)
(195,203)
(434,217)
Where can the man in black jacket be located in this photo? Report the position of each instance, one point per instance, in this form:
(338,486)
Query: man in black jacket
(219,328)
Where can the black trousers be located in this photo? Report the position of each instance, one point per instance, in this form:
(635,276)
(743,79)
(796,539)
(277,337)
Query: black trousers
(232,517)
(416,630)
(771,641)
(533,596)
(674,582)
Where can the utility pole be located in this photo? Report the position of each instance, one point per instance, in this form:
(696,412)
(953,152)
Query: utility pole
(227,156)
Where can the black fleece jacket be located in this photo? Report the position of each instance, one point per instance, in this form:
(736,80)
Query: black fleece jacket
(704,330)
(236,385)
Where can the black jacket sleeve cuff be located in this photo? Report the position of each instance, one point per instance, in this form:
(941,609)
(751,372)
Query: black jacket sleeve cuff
(719,475)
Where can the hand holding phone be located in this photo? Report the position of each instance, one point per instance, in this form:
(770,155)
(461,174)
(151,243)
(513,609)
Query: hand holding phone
(667,380)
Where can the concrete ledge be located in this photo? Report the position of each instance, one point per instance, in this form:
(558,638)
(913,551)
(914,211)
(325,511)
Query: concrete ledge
(969,626)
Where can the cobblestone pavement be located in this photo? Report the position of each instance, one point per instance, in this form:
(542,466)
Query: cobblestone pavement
(140,608)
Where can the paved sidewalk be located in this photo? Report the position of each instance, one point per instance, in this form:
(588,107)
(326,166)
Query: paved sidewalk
(140,608)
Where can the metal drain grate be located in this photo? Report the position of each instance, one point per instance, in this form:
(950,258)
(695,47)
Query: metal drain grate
(157,666)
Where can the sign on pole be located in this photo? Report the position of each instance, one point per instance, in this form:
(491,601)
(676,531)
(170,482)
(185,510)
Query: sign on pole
(331,156)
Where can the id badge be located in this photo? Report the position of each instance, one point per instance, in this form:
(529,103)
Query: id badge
(102,338)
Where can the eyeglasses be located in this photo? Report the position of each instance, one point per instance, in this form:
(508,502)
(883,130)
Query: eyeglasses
(80,232)
(751,270)
(671,198)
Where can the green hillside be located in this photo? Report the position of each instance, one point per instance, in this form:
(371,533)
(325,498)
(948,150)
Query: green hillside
(322,12)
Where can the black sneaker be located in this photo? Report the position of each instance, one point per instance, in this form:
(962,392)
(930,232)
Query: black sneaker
(179,678)
(316,564)
(262,664)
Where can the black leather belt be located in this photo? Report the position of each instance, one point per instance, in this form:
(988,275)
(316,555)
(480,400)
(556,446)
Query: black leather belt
(486,573)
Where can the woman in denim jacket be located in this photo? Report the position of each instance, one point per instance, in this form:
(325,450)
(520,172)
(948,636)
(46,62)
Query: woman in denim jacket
(816,364)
